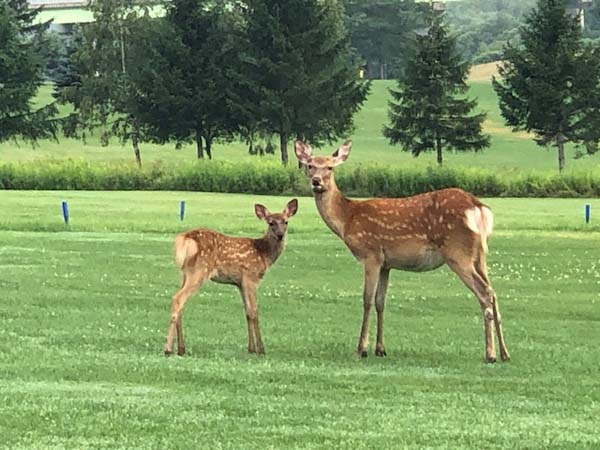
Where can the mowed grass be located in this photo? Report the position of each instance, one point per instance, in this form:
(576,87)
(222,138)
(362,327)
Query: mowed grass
(510,152)
(85,310)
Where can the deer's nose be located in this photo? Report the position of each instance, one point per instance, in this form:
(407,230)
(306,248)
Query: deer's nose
(316,181)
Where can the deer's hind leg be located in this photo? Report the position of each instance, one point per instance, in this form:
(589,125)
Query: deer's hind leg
(481,267)
(461,259)
(190,284)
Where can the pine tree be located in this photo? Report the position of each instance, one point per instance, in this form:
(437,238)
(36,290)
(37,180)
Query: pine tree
(22,63)
(549,82)
(191,92)
(429,110)
(303,81)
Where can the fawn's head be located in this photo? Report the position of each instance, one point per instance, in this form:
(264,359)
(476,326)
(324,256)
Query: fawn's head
(278,222)
(320,168)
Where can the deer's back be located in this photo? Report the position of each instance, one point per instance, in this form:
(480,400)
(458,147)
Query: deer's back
(227,258)
(410,233)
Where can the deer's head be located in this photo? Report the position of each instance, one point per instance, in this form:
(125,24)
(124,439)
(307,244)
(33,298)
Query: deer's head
(320,168)
(278,222)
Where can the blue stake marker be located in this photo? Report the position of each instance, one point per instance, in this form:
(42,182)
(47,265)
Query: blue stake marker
(588,212)
(182,210)
(65,209)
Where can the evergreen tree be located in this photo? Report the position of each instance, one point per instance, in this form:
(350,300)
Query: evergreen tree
(299,65)
(22,64)
(380,30)
(192,89)
(549,82)
(429,110)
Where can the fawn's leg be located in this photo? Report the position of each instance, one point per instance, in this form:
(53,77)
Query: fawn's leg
(249,319)
(260,349)
(180,341)
(192,283)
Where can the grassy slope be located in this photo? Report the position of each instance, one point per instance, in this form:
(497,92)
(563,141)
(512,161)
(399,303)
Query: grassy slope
(509,151)
(85,313)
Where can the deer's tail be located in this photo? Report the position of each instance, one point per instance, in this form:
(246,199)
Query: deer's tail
(185,250)
(480,219)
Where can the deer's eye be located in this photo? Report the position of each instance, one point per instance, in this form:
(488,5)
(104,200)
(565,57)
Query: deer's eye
(285,222)
(311,167)
(330,168)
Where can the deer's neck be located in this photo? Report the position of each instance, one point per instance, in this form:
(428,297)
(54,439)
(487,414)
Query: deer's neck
(269,247)
(335,209)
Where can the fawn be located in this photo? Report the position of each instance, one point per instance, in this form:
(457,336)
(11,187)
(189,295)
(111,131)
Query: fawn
(205,254)
(418,233)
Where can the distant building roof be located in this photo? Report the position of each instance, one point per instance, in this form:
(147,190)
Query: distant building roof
(58,3)
(63,12)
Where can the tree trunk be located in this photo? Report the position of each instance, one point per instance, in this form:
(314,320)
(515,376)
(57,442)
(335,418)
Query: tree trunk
(381,72)
(135,141)
(283,140)
(438,147)
(209,147)
(199,148)
(136,149)
(561,154)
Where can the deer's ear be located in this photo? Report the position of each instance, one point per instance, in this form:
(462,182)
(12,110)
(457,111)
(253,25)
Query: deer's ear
(342,153)
(291,208)
(261,212)
(303,152)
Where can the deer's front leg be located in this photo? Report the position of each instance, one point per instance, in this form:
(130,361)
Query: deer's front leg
(249,288)
(372,269)
(384,278)
(249,318)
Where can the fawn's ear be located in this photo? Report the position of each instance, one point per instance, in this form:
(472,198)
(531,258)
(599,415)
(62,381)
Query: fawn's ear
(291,208)
(303,152)
(261,212)
(342,153)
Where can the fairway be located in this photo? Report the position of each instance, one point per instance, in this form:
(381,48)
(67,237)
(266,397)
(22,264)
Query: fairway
(509,152)
(85,311)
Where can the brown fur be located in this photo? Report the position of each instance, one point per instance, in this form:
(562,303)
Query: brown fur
(204,254)
(416,233)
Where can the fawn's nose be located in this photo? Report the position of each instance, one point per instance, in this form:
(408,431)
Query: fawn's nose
(316,181)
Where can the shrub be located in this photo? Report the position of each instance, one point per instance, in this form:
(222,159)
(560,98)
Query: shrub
(263,177)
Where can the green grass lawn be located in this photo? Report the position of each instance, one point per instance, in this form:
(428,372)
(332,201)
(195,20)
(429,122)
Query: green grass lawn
(509,152)
(85,310)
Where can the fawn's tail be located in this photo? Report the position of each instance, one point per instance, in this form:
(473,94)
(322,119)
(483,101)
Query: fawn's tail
(185,249)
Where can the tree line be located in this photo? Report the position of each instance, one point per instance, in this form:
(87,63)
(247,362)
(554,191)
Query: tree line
(255,71)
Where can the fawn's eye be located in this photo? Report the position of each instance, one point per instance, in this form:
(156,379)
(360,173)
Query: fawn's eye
(311,167)
(330,168)
(285,222)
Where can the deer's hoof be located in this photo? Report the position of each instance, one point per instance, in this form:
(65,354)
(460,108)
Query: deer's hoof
(181,351)
(168,353)
(380,352)
(505,357)
(490,359)
(362,353)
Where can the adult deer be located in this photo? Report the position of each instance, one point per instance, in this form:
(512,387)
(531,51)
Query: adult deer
(204,254)
(418,233)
